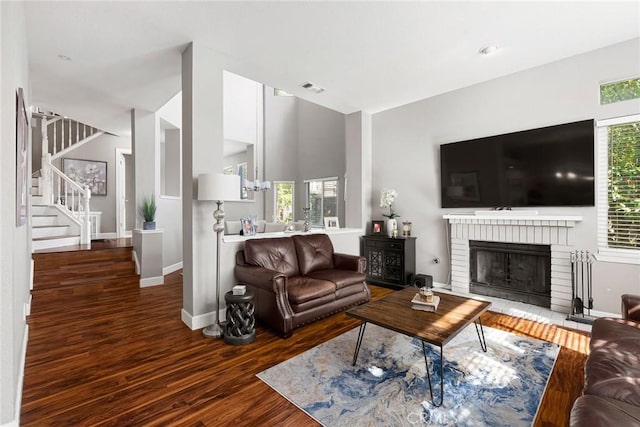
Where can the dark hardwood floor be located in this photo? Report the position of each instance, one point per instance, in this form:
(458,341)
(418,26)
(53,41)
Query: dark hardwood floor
(107,352)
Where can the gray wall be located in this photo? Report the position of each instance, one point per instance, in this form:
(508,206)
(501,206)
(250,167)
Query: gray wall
(103,149)
(406,148)
(303,141)
(15,242)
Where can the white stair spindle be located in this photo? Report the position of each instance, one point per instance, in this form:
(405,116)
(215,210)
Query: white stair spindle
(55,137)
(87,229)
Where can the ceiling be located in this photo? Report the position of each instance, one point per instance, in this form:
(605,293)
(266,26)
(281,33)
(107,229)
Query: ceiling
(369,56)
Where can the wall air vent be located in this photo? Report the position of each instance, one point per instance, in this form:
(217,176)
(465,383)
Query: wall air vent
(312,87)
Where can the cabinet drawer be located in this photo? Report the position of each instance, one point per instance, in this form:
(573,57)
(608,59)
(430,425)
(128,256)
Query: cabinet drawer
(383,245)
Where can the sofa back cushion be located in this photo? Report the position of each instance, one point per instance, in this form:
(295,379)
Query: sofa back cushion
(277,254)
(315,252)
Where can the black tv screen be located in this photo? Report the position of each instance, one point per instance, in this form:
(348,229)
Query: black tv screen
(551,166)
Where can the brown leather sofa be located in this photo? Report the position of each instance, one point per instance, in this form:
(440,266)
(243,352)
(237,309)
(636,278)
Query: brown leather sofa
(611,395)
(299,279)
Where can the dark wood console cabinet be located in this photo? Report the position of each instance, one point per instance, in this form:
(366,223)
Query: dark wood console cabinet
(390,262)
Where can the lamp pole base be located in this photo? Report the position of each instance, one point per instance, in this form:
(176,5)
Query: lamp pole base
(213,331)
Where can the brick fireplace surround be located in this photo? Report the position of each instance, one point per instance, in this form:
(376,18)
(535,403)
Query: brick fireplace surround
(514,227)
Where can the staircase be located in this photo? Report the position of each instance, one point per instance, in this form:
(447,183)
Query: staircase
(58,203)
(68,278)
(50,228)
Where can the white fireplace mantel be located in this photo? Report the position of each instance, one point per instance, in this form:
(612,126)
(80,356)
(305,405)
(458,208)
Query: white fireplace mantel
(515,227)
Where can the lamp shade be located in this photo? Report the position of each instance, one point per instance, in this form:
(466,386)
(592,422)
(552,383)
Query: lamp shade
(218,186)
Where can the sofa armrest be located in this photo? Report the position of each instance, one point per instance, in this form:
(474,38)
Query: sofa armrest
(263,278)
(631,307)
(349,262)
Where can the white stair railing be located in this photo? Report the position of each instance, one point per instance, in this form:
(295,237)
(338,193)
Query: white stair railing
(60,190)
(60,135)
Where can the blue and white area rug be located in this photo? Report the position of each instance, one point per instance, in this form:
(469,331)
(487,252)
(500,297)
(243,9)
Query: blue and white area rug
(388,386)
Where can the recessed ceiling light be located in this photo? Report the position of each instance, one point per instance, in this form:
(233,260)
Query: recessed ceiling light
(312,87)
(64,57)
(488,50)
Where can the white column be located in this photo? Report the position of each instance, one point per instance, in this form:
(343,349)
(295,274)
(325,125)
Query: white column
(202,141)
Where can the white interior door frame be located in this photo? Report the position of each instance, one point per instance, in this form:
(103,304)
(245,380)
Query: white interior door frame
(121,205)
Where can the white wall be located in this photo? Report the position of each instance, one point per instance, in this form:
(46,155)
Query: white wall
(406,148)
(169,214)
(15,242)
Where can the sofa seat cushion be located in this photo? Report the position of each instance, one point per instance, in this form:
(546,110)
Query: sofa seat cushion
(315,253)
(304,289)
(358,288)
(277,254)
(594,411)
(341,278)
(613,367)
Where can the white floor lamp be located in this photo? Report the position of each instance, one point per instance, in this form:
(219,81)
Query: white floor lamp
(218,187)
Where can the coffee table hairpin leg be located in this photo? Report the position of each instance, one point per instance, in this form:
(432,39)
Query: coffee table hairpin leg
(359,342)
(480,332)
(426,365)
(483,345)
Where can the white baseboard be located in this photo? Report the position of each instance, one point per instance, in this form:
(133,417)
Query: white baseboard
(171,268)
(202,320)
(104,236)
(31,274)
(151,281)
(15,422)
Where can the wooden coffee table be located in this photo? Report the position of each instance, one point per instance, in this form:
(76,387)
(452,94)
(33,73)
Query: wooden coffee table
(394,312)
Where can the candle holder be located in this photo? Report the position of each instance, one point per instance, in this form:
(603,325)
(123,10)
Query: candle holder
(306,218)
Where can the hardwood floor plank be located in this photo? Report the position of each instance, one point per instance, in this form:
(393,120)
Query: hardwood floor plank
(113,354)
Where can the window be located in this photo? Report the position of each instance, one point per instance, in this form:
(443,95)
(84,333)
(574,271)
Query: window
(284,201)
(242,171)
(322,198)
(619,189)
(619,91)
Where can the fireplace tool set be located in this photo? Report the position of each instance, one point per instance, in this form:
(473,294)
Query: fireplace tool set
(581,282)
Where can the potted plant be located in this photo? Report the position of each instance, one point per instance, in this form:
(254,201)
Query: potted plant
(148,213)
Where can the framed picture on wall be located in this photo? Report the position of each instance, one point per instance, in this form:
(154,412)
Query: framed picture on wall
(377,227)
(92,173)
(331,222)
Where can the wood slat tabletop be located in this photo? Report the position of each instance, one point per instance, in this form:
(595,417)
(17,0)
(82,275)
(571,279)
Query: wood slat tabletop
(394,312)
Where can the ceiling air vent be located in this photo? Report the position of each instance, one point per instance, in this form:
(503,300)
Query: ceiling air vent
(312,87)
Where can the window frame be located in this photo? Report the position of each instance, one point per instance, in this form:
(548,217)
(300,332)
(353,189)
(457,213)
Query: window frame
(610,82)
(606,253)
(275,199)
(307,201)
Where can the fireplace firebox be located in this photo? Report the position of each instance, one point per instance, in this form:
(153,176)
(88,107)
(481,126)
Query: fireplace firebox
(517,272)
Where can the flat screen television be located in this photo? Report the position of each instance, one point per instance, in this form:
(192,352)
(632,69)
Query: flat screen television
(550,166)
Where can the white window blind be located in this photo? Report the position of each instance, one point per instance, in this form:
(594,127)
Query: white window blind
(618,186)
